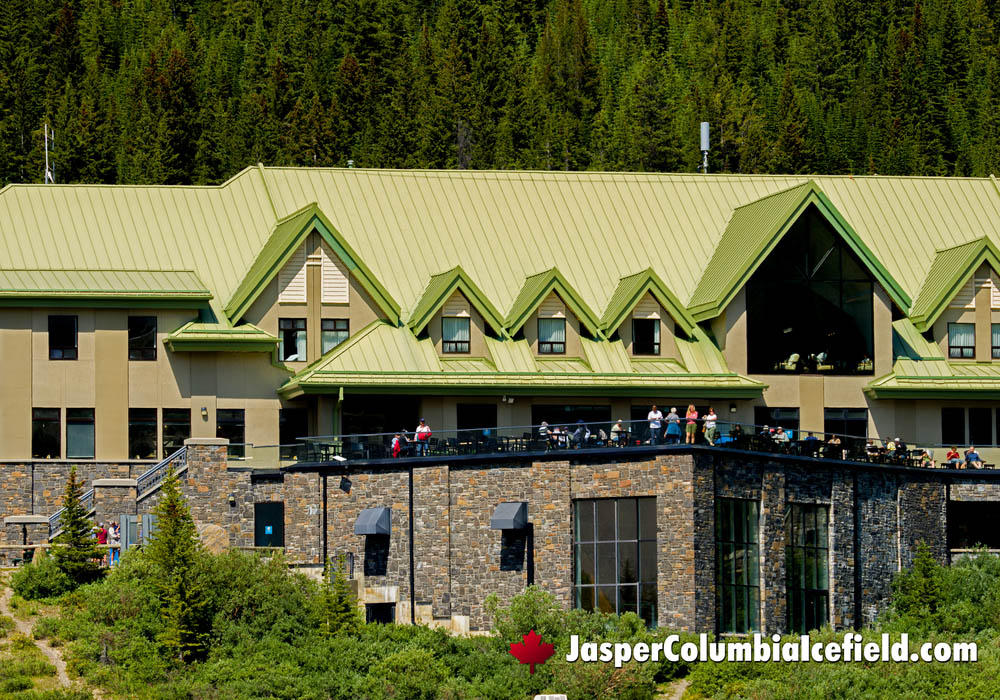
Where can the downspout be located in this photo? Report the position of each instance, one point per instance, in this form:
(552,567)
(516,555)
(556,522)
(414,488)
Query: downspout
(413,608)
(858,622)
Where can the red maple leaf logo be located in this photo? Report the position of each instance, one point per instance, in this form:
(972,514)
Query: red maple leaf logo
(531,651)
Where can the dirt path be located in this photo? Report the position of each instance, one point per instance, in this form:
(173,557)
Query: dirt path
(676,690)
(24,627)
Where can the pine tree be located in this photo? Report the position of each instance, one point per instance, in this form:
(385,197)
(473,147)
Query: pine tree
(76,552)
(173,552)
(339,611)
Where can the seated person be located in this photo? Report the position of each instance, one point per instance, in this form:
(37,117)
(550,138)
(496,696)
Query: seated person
(780,435)
(953,458)
(927,458)
(618,433)
(834,448)
(871,448)
(972,458)
(810,444)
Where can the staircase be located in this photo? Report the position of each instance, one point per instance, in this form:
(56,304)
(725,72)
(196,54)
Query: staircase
(148,483)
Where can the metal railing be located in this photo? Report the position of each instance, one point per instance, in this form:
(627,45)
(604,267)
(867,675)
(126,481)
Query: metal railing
(151,479)
(55,520)
(607,434)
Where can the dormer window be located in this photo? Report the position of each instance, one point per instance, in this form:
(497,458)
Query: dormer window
(552,336)
(962,341)
(455,334)
(645,336)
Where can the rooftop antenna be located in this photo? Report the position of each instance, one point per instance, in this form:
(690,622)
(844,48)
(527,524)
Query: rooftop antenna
(704,148)
(350,164)
(50,173)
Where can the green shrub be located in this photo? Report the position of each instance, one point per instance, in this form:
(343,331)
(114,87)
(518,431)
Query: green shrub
(12,685)
(42,579)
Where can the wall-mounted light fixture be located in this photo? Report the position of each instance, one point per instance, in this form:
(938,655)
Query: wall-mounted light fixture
(732,408)
(204,412)
(232,500)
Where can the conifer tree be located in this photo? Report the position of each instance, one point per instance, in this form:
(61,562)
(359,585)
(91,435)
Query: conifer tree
(338,608)
(173,552)
(76,552)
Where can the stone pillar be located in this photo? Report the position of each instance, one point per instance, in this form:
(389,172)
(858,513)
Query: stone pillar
(114,498)
(549,511)
(432,539)
(842,552)
(923,517)
(774,615)
(207,484)
(675,528)
(303,493)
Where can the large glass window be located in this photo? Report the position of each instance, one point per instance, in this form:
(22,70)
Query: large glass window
(615,552)
(335,332)
(807,561)
(809,305)
(455,334)
(79,433)
(787,418)
(231,424)
(953,426)
(962,340)
(142,337)
(62,337)
(46,438)
(551,336)
(737,565)
(645,336)
(980,425)
(293,423)
(292,337)
(176,429)
(142,433)
(846,421)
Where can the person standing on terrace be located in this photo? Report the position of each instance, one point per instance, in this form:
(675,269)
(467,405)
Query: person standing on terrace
(711,429)
(423,437)
(655,425)
(692,425)
(673,427)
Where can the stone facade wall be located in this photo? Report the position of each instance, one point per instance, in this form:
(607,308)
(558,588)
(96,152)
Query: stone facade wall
(923,517)
(113,501)
(38,486)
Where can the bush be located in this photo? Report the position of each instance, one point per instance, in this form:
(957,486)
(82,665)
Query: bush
(41,579)
(12,685)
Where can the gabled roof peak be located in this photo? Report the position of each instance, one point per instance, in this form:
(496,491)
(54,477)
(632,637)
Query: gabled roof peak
(536,288)
(630,291)
(951,269)
(440,288)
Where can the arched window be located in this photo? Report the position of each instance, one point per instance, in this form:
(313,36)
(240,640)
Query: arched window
(809,305)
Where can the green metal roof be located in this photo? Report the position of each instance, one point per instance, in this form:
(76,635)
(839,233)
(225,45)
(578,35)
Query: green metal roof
(630,291)
(287,235)
(535,290)
(951,269)
(752,233)
(382,355)
(204,337)
(439,290)
(102,284)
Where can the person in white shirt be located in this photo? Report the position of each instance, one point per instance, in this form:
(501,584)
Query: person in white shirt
(423,436)
(711,429)
(655,419)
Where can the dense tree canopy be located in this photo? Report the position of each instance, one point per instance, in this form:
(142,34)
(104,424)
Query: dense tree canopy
(179,91)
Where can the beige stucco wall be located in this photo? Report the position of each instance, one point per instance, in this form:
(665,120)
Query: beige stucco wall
(16,361)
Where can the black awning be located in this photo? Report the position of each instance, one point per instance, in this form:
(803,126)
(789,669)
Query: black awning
(510,516)
(374,521)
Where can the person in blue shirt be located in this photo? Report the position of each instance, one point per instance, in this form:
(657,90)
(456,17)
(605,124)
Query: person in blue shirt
(972,458)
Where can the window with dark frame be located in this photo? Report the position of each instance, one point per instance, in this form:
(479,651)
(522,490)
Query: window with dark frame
(645,336)
(79,433)
(230,423)
(176,429)
(846,421)
(995,340)
(455,334)
(551,336)
(962,341)
(142,433)
(46,433)
(292,339)
(737,565)
(953,426)
(334,332)
(615,556)
(62,337)
(980,425)
(142,338)
(807,557)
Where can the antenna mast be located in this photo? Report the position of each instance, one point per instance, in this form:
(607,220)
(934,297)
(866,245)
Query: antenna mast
(50,173)
(704,148)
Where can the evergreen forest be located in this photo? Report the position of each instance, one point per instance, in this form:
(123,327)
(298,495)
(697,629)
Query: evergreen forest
(192,91)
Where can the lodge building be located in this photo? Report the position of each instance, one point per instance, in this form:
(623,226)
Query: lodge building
(328,303)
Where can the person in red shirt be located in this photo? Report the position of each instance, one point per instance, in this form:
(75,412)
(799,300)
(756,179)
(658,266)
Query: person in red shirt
(102,538)
(953,458)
